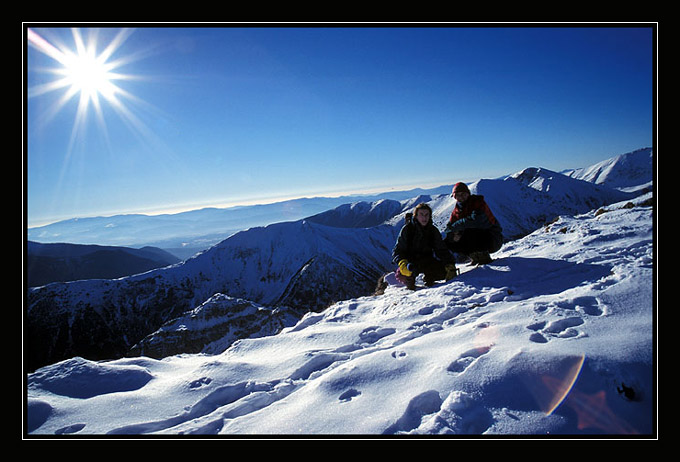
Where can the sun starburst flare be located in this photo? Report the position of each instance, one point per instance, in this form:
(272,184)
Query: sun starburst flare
(91,76)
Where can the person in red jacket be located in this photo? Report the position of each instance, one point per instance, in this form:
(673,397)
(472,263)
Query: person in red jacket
(472,230)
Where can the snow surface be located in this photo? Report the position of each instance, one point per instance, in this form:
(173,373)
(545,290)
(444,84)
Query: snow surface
(556,336)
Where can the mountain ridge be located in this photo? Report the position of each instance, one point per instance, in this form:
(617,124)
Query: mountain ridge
(629,171)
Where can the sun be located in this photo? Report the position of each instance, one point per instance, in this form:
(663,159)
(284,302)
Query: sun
(89,75)
(86,71)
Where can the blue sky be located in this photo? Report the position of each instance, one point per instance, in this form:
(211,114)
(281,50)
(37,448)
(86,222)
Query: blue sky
(212,116)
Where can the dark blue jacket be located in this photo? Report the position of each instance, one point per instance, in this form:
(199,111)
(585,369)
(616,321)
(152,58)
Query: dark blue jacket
(416,242)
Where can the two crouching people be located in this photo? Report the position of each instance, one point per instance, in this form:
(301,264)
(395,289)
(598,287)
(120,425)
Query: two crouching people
(472,233)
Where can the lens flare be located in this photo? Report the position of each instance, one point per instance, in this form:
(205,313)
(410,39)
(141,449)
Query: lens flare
(560,387)
(592,411)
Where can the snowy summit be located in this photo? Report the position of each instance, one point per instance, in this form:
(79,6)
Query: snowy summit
(554,337)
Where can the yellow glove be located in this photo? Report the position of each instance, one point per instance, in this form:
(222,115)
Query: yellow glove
(451,271)
(403,268)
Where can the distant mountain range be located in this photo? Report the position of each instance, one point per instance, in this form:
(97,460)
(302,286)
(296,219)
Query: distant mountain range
(187,233)
(268,276)
(46,263)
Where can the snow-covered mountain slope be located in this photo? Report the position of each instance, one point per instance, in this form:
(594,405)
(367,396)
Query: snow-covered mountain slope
(301,265)
(554,337)
(630,171)
(533,197)
(363,214)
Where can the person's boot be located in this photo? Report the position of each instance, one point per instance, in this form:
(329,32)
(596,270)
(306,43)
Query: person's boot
(380,286)
(408,281)
(451,271)
(480,258)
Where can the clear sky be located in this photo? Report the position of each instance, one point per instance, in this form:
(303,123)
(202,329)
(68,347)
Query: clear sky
(173,118)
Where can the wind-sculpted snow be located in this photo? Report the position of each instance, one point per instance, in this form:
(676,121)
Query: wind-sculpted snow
(554,337)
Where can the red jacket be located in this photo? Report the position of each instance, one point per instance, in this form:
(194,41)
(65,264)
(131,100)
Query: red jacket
(473,213)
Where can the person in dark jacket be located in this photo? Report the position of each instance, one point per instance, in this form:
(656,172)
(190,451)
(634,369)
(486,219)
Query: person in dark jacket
(420,249)
(472,230)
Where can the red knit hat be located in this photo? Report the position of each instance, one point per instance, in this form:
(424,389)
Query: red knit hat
(460,187)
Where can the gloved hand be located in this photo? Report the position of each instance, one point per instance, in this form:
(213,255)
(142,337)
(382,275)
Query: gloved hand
(404,268)
(451,271)
(450,234)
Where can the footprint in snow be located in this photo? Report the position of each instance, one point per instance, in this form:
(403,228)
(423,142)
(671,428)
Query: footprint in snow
(564,327)
(588,305)
(467,358)
(373,334)
(561,328)
(75,428)
(317,363)
(367,337)
(200,382)
(348,395)
(419,406)
(427,310)
(537,337)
